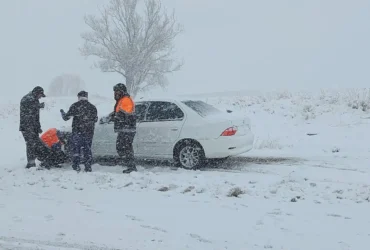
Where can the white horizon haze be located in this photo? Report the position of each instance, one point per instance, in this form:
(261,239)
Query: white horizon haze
(226,46)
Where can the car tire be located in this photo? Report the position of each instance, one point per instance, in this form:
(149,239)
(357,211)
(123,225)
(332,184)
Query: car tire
(189,155)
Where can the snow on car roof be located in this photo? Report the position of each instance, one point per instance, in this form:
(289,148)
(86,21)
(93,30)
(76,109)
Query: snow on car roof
(168,99)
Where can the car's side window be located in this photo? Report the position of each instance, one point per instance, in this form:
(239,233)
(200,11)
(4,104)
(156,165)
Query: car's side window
(164,111)
(140,110)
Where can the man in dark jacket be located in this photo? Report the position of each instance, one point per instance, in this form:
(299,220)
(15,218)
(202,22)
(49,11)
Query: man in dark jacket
(125,126)
(31,128)
(85,115)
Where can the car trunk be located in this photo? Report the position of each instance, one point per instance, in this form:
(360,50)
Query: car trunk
(220,120)
(242,122)
(228,120)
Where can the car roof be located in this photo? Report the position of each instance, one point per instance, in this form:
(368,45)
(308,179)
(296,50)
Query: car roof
(165,99)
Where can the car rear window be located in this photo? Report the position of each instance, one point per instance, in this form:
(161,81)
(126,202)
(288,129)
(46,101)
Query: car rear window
(202,108)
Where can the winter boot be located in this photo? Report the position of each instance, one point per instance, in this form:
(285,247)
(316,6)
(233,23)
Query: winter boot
(76,168)
(31,164)
(130,169)
(45,165)
(88,169)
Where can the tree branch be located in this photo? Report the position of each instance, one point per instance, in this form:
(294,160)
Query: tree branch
(137,46)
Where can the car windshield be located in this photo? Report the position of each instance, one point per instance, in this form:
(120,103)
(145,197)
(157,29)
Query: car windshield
(202,108)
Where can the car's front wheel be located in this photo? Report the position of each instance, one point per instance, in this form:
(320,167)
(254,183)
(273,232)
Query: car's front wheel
(189,155)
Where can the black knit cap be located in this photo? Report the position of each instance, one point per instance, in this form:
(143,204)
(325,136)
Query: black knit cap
(38,91)
(120,87)
(83,94)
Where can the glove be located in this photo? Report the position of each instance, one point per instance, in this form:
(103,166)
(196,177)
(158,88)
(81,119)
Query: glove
(42,105)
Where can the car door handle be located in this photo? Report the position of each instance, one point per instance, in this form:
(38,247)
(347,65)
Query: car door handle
(174,129)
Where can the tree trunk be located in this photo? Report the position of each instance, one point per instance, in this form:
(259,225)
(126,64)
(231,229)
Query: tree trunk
(134,92)
(129,82)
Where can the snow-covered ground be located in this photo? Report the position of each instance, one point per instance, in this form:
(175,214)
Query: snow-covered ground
(292,191)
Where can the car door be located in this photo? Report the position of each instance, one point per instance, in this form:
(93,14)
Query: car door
(160,129)
(140,111)
(104,143)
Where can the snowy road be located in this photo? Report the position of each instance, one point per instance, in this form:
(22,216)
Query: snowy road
(319,200)
(290,204)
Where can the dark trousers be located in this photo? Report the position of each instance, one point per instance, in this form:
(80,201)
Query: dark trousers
(81,145)
(35,148)
(125,149)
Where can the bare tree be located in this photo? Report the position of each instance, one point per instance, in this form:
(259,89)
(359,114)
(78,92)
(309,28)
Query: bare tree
(139,47)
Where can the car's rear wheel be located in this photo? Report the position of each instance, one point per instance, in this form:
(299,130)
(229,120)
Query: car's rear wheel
(189,155)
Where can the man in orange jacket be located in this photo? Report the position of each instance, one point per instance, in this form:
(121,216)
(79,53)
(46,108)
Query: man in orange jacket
(55,140)
(125,126)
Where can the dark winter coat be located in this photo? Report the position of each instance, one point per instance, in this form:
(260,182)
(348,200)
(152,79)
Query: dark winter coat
(85,115)
(30,114)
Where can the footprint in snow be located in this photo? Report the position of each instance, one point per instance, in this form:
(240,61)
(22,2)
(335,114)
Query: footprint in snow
(92,210)
(45,198)
(128,184)
(56,180)
(154,228)
(188,189)
(83,204)
(200,190)
(235,192)
(49,217)
(275,212)
(133,218)
(334,215)
(259,223)
(163,189)
(339,216)
(60,236)
(199,238)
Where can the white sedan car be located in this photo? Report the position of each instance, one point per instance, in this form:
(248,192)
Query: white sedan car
(187,131)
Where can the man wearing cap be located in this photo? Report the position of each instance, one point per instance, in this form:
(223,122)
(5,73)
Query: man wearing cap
(125,126)
(85,115)
(30,127)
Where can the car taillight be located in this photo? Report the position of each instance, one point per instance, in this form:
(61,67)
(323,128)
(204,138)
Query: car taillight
(230,131)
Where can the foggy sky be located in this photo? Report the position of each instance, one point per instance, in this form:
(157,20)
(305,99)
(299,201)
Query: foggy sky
(227,45)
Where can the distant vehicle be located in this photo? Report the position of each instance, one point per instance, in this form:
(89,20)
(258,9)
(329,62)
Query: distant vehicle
(187,131)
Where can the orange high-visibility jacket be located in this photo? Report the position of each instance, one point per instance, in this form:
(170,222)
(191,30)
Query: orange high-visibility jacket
(126,105)
(50,137)
(125,119)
